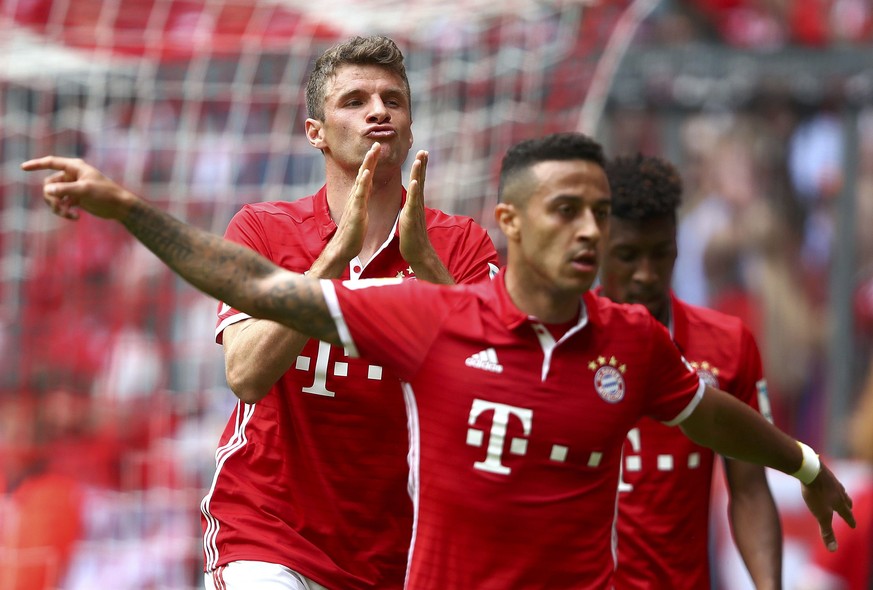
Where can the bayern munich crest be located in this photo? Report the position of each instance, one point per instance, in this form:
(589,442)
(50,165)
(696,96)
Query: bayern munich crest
(707,372)
(608,379)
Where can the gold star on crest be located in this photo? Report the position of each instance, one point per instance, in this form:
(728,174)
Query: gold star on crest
(602,361)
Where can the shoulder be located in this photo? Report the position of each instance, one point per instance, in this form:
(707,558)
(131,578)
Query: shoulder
(624,322)
(266,211)
(609,313)
(438,219)
(417,301)
(710,321)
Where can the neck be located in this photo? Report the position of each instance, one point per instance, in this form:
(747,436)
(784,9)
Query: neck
(666,314)
(382,207)
(535,297)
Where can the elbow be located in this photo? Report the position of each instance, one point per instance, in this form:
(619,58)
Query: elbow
(246,390)
(249,396)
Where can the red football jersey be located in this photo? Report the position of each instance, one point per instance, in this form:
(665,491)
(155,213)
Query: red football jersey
(517,437)
(663,524)
(315,475)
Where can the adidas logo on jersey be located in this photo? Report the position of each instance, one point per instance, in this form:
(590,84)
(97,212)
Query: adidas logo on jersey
(485,360)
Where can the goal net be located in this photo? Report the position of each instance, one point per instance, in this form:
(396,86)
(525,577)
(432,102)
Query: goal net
(198,105)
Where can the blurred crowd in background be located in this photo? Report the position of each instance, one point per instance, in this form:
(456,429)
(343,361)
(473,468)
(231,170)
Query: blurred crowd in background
(112,392)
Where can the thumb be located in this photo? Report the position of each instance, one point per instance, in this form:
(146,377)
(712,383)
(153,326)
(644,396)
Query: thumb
(827,533)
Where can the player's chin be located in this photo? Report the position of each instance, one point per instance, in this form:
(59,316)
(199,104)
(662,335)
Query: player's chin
(655,304)
(393,147)
(579,281)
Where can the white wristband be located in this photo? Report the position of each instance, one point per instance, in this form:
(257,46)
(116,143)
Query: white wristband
(810,466)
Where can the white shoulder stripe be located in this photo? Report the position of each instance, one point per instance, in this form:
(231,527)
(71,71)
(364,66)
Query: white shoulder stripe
(329,292)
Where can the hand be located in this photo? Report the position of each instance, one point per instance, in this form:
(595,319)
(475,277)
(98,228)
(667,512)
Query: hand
(352,226)
(824,496)
(415,245)
(76,184)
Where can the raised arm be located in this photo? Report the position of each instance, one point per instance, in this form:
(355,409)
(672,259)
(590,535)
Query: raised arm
(731,428)
(258,352)
(225,270)
(415,244)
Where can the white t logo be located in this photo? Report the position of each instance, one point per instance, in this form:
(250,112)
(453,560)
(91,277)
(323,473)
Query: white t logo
(497,436)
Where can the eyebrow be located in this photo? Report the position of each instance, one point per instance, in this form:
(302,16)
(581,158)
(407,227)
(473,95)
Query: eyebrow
(356,90)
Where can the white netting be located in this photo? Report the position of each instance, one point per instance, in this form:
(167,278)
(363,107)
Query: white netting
(109,380)
(198,105)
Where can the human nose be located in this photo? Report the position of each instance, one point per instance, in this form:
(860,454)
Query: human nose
(588,229)
(379,113)
(645,271)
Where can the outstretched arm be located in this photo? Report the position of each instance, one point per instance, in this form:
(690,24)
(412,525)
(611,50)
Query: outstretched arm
(730,427)
(225,270)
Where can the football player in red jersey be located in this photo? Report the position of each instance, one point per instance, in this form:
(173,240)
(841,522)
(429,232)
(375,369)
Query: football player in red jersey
(297,500)
(516,454)
(663,505)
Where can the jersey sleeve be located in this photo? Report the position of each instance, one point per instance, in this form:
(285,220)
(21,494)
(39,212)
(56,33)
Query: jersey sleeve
(676,387)
(244,228)
(466,249)
(750,384)
(387,320)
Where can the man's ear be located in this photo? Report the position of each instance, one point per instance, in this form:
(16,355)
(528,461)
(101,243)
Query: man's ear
(315,133)
(508,219)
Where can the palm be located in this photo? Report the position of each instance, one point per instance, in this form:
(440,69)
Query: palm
(413,226)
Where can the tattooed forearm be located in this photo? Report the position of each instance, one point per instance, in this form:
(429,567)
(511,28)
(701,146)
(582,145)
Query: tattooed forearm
(233,273)
(311,315)
(160,233)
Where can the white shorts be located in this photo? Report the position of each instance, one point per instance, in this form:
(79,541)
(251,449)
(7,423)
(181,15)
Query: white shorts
(257,575)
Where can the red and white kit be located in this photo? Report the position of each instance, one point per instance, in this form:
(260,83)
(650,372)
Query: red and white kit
(666,482)
(517,432)
(315,475)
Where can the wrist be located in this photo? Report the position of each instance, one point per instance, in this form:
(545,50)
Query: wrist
(427,260)
(329,265)
(810,466)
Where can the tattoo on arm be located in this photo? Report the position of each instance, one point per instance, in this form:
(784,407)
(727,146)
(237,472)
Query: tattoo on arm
(310,314)
(233,273)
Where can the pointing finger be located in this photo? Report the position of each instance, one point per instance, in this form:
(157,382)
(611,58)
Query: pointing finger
(69,165)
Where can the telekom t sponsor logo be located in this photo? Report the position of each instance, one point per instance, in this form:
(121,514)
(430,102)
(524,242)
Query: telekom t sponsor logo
(502,414)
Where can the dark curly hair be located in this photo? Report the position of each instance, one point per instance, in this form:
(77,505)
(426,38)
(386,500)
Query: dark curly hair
(643,187)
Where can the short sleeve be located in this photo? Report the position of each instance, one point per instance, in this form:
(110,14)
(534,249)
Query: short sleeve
(389,321)
(675,387)
(750,386)
(464,247)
